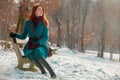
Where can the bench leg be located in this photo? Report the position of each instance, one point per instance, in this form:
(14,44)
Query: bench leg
(31,66)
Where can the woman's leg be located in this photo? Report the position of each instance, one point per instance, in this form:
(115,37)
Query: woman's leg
(36,62)
(47,66)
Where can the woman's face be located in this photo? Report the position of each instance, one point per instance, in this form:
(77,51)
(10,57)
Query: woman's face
(39,12)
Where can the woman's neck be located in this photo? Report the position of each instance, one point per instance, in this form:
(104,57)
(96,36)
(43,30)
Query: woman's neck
(36,20)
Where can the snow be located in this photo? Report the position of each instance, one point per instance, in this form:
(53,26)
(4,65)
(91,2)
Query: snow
(67,64)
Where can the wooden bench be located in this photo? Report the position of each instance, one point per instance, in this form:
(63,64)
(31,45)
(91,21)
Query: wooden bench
(22,60)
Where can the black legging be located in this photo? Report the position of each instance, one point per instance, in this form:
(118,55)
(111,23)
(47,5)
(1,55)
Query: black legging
(47,66)
(36,62)
(42,62)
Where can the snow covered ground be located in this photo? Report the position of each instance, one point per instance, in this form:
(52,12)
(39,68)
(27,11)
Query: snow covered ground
(68,65)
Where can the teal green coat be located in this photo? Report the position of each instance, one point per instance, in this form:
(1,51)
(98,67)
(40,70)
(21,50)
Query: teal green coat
(42,50)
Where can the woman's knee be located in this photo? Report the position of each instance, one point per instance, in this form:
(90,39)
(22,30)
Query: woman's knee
(30,57)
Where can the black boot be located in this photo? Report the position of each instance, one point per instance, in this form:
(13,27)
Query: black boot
(47,66)
(53,76)
(36,62)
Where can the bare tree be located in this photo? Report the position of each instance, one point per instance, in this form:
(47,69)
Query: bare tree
(119,41)
(84,11)
(119,48)
(103,24)
(8,18)
(22,13)
(112,48)
(59,37)
(71,17)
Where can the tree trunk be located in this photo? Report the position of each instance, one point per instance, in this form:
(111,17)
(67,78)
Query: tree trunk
(68,34)
(102,21)
(85,8)
(7,23)
(103,40)
(58,32)
(119,46)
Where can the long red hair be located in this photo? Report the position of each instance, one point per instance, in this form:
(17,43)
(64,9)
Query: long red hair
(45,20)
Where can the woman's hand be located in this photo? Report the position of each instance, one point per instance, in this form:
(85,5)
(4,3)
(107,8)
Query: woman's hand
(12,34)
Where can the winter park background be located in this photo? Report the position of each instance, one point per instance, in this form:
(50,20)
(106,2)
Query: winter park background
(85,34)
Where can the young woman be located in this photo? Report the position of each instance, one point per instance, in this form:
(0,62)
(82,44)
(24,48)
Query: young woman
(36,49)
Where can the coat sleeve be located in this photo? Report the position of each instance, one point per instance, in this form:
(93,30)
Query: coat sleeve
(45,37)
(23,35)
